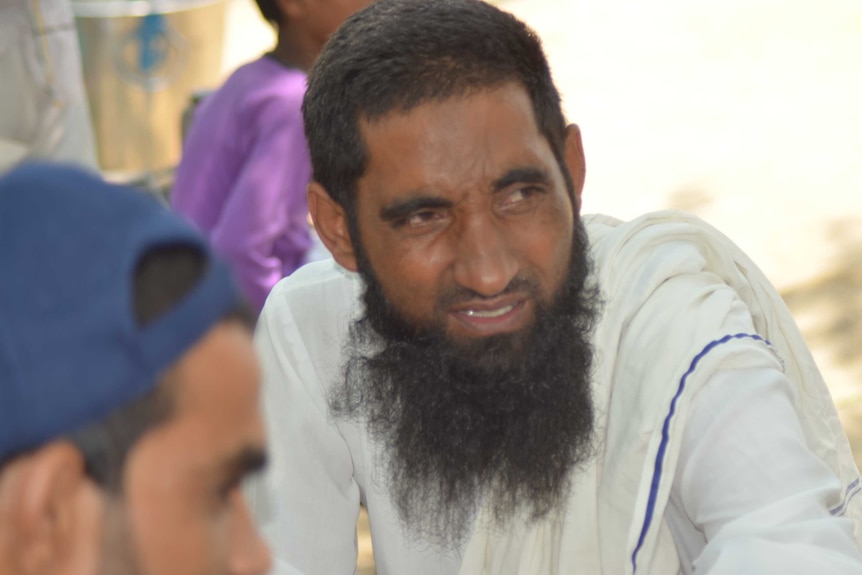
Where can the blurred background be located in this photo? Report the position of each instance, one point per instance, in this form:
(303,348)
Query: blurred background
(747,113)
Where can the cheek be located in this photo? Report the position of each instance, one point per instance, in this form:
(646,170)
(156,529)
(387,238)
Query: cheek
(410,273)
(176,535)
(549,245)
(413,282)
(90,532)
(174,527)
(419,271)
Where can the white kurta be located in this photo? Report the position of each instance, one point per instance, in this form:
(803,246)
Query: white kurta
(726,481)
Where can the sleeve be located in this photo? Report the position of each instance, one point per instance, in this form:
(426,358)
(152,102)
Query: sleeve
(751,488)
(267,195)
(307,501)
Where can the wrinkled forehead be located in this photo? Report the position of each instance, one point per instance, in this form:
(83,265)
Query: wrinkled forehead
(433,117)
(495,128)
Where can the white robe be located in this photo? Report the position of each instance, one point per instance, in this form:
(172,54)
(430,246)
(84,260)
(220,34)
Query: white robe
(671,281)
(686,390)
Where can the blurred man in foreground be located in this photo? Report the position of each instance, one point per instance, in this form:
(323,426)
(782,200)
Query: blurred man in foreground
(128,388)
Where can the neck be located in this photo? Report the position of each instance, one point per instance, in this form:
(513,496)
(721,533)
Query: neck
(295,50)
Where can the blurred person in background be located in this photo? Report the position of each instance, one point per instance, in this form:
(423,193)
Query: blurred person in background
(245,167)
(43,104)
(129,408)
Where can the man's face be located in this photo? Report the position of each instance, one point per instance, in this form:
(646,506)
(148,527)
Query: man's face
(181,511)
(463,213)
(478,309)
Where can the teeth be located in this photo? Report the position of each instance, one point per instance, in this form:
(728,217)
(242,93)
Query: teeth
(489,313)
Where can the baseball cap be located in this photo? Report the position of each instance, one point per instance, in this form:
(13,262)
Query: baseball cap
(71,348)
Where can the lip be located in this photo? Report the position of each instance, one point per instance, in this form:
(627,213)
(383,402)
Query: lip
(492,317)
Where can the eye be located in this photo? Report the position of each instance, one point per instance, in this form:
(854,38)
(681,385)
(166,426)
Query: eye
(521,197)
(418,220)
(227,489)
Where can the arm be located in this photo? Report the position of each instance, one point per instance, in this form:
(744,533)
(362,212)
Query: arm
(308,502)
(754,494)
(266,199)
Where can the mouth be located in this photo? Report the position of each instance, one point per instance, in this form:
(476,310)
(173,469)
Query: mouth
(488,319)
(490,312)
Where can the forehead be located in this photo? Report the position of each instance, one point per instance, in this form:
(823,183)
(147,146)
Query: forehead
(216,401)
(220,381)
(457,142)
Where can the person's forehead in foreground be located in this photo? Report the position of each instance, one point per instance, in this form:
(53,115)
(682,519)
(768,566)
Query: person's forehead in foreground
(128,387)
(454,179)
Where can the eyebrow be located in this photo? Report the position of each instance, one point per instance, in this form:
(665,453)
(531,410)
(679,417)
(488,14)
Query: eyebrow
(400,209)
(522,175)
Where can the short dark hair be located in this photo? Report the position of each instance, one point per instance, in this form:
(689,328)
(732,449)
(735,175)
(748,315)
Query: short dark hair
(162,277)
(398,54)
(270,11)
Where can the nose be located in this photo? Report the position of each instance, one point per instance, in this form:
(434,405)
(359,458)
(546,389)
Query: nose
(485,261)
(250,554)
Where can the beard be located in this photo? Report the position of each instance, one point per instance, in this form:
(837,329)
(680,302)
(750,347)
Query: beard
(498,421)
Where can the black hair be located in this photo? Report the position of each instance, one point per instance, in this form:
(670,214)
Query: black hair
(398,54)
(163,276)
(270,11)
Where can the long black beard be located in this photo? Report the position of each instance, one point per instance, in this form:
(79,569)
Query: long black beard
(500,421)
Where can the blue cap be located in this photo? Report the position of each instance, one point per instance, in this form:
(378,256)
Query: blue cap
(71,350)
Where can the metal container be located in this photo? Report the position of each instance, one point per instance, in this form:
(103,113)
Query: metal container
(142,60)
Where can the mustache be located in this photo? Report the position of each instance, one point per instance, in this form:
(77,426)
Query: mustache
(459,294)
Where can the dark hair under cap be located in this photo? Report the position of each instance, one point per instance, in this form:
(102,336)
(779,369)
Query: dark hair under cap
(72,350)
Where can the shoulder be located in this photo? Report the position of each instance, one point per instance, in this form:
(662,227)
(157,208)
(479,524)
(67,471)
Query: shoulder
(301,333)
(672,285)
(275,88)
(637,238)
(316,302)
(315,279)
(261,88)
(674,288)
(657,246)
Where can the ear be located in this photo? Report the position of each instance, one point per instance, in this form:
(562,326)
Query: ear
(52,512)
(575,161)
(330,222)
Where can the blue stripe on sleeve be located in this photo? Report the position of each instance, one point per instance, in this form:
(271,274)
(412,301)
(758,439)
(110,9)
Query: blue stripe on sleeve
(659,460)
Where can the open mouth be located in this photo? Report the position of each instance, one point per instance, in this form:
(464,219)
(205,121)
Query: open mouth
(489,320)
(490,312)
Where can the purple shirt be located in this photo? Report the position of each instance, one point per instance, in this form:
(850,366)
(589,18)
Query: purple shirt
(244,173)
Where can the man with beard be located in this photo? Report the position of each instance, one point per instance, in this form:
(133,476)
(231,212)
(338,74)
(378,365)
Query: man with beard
(129,404)
(509,387)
